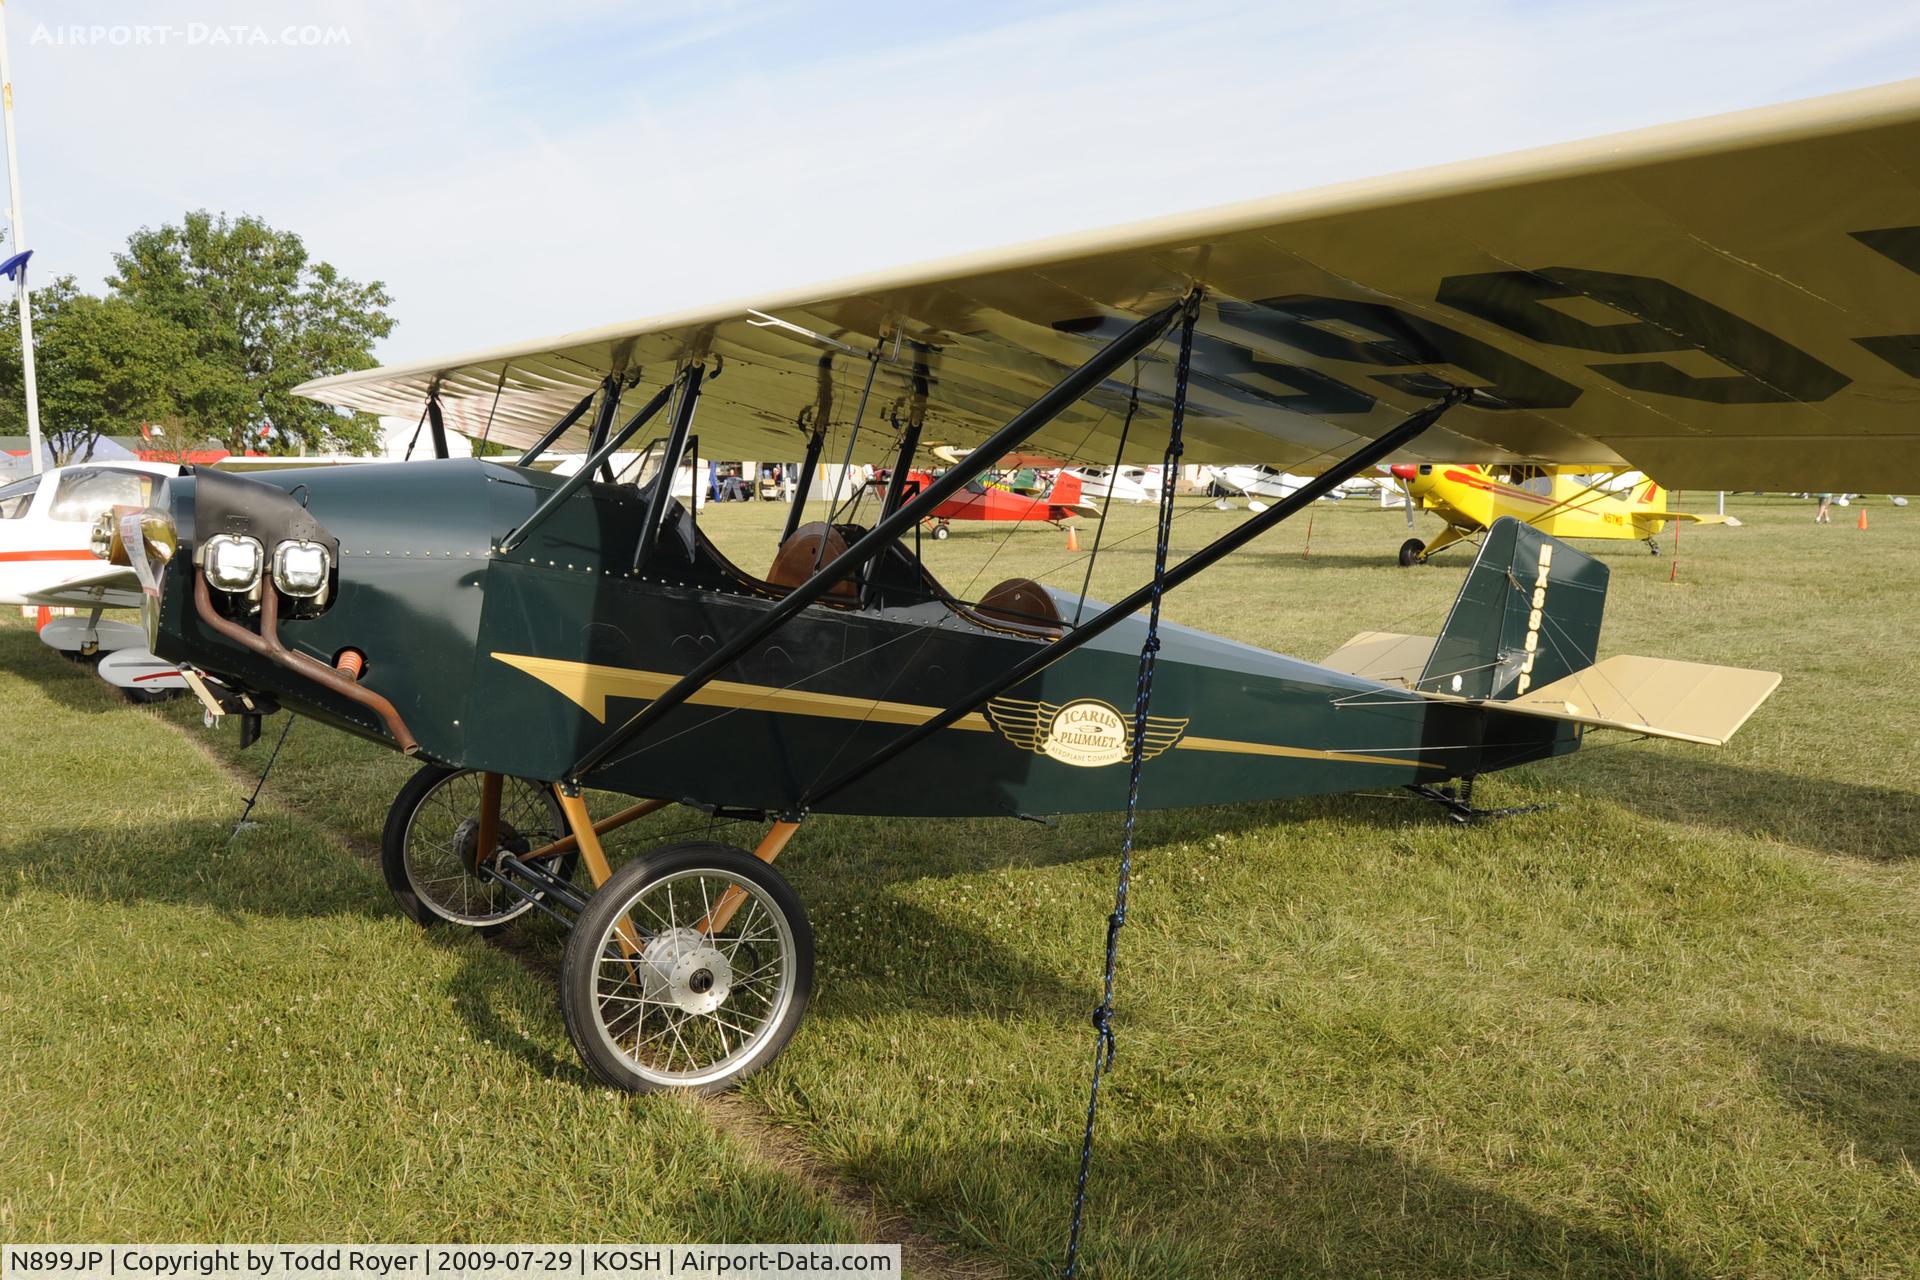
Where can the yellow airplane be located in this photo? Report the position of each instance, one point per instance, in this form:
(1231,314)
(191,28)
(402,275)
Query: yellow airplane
(1558,501)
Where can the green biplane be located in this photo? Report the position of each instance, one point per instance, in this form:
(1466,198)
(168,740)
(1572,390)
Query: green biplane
(1728,303)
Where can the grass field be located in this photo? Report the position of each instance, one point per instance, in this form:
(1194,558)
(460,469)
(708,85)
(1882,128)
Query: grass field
(1668,1028)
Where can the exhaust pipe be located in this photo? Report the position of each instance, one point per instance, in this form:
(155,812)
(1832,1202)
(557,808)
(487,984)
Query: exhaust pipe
(268,645)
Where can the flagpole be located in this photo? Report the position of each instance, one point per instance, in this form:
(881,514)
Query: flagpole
(23,295)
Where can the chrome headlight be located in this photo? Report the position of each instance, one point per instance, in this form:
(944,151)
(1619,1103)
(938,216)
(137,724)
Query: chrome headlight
(301,569)
(233,562)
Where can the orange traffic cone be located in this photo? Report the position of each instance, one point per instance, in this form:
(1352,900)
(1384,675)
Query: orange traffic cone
(42,618)
(1863,518)
(1073,537)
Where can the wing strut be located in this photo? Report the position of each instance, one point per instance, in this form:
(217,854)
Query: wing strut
(1227,543)
(585,473)
(803,485)
(670,465)
(1055,401)
(557,430)
(437,423)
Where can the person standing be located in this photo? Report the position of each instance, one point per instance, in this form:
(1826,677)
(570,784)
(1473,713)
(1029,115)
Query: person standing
(1825,514)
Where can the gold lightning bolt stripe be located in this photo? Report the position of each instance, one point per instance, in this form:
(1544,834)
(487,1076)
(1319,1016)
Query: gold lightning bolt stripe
(589,685)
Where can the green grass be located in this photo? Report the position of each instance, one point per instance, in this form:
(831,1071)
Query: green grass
(1668,1028)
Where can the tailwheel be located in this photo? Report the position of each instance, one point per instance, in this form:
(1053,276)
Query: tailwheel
(1411,550)
(690,968)
(430,850)
(941,532)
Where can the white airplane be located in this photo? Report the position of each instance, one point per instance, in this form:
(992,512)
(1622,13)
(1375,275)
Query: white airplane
(1260,484)
(1130,484)
(46,558)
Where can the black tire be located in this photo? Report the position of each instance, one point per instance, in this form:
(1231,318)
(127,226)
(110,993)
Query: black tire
(432,807)
(940,533)
(146,697)
(771,929)
(1411,551)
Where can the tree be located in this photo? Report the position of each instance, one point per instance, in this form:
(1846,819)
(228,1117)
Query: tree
(108,368)
(261,318)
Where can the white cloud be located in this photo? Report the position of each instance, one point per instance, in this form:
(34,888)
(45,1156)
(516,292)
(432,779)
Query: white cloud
(511,172)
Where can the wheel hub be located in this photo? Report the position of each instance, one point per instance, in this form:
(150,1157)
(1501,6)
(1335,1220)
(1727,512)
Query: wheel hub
(683,968)
(466,843)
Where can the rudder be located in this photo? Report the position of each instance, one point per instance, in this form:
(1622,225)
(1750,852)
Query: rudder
(1528,614)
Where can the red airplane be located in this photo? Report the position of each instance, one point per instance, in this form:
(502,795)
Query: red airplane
(996,500)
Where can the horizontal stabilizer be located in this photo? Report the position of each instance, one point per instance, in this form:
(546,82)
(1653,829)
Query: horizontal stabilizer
(1385,656)
(1659,697)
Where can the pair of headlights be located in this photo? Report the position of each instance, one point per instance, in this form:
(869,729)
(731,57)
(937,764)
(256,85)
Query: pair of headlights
(235,563)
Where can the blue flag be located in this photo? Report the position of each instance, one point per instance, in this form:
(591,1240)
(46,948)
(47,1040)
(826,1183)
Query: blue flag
(15,267)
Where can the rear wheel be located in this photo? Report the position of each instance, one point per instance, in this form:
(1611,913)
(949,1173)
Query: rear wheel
(430,851)
(940,533)
(1410,551)
(654,999)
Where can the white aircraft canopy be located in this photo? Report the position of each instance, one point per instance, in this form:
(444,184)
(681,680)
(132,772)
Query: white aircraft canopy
(1725,303)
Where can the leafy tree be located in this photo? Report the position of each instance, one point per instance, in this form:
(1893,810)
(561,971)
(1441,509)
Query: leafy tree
(105,367)
(261,317)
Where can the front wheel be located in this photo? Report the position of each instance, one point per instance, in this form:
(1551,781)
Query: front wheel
(1410,551)
(430,851)
(656,997)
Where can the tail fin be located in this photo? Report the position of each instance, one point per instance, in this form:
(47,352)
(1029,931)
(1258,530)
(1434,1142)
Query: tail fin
(1066,490)
(1647,496)
(1527,615)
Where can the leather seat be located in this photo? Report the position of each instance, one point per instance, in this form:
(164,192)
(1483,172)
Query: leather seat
(1021,600)
(795,562)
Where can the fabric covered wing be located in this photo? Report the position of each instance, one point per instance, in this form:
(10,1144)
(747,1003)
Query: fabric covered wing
(1725,303)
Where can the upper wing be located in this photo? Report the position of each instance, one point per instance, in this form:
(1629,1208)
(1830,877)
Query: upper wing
(1726,303)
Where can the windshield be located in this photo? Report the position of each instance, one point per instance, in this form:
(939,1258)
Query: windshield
(87,491)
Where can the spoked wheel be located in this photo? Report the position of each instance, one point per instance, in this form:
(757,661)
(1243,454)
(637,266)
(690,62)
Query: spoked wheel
(430,848)
(1410,551)
(656,999)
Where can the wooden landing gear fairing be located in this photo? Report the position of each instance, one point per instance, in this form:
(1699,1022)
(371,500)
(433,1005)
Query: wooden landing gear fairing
(689,967)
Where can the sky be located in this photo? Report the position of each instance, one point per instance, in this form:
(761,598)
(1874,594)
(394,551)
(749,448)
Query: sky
(515,170)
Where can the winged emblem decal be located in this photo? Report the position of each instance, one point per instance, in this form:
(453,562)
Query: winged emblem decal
(1085,732)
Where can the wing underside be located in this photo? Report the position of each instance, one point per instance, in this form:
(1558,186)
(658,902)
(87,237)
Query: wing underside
(1726,303)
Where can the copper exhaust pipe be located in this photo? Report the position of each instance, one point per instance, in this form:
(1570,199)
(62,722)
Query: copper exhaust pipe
(267,645)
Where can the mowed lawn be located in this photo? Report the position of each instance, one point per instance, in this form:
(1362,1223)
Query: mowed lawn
(1668,1027)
